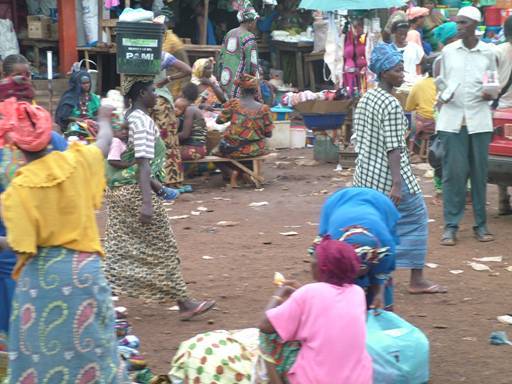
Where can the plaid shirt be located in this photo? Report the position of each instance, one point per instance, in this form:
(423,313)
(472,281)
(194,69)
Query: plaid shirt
(380,126)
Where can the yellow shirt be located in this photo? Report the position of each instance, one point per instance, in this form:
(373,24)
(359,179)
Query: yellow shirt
(51,202)
(422,98)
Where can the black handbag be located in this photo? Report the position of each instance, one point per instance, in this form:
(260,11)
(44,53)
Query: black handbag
(436,153)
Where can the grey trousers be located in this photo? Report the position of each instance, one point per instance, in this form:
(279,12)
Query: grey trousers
(465,157)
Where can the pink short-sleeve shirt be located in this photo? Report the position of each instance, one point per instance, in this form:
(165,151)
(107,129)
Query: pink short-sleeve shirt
(330,322)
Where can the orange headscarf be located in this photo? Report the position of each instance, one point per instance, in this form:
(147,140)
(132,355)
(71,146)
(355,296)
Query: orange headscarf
(247,82)
(29,126)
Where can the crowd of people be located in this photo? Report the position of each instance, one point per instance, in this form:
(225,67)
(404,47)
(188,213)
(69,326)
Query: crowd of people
(56,276)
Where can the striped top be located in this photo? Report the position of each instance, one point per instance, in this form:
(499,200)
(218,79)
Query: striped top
(143,134)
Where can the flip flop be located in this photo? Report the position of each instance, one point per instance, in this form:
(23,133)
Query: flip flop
(435,288)
(186,189)
(202,308)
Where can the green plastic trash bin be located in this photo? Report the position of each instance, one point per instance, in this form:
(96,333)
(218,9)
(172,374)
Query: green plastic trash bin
(139,48)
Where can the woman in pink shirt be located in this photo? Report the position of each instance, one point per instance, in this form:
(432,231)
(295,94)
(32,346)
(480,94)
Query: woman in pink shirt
(316,334)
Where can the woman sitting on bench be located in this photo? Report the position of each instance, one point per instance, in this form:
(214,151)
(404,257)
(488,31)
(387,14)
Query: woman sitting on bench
(251,124)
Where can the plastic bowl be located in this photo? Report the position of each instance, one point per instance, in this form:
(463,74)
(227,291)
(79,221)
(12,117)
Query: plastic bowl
(323,122)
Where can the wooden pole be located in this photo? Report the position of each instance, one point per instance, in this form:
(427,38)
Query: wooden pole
(67,35)
(204,38)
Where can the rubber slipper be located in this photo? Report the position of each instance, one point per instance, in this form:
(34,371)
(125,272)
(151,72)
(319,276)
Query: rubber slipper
(433,289)
(186,189)
(202,308)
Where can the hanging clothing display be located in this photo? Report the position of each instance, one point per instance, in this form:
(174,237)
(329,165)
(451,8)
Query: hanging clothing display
(354,70)
(334,47)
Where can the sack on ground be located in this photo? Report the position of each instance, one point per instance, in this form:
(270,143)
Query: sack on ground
(400,351)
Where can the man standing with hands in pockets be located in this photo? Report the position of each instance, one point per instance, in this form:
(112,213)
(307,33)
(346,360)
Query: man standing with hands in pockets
(465,126)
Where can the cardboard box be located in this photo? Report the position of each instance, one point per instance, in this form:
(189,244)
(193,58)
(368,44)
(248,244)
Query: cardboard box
(39,27)
(324,106)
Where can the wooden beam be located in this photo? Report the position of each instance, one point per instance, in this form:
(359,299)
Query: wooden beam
(204,38)
(67,35)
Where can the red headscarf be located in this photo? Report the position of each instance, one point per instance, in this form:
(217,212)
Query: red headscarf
(29,126)
(337,262)
(19,87)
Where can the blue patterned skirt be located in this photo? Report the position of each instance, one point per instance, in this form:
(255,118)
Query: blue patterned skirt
(412,230)
(62,322)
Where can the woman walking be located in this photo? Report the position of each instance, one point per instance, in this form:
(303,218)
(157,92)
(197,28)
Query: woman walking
(383,163)
(16,84)
(62,325)
(239,54)
(142,252)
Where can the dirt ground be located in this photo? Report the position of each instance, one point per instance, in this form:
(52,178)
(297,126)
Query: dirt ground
(243,258)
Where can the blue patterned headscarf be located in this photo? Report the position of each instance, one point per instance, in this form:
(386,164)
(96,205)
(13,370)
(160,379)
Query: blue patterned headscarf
(384,57)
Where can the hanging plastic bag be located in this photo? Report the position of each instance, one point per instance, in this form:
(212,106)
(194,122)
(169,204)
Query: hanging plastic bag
(90,18)
(320,27)
(9,42)
(334,47)
(400,351)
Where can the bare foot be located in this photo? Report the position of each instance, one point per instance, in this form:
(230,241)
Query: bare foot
(427,289)
(234,179)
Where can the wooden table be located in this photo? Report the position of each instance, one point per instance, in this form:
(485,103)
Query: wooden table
(39,44)
(299,49)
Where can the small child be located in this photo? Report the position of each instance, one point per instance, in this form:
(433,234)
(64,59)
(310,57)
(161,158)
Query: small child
(118,147)
(193,131)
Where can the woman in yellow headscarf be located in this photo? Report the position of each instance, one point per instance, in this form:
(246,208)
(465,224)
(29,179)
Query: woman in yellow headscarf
(210,92)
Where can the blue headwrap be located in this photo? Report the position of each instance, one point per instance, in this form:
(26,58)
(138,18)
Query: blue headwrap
(445,32)
(384,57)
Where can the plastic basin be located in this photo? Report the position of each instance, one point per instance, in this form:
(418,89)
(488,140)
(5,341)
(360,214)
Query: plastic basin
(323,122)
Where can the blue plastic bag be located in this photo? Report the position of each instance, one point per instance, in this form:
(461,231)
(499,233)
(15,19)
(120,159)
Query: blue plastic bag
(399,351)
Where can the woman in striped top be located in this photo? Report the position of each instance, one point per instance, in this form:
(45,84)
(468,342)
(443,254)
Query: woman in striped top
(142,255)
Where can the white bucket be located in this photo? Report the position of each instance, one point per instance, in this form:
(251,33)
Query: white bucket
(297,137)
(280,135)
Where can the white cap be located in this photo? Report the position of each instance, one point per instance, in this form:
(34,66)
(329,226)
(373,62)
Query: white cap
(471,13)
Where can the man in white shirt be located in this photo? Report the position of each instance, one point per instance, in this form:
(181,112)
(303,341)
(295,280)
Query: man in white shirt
(504,56)
(465,126)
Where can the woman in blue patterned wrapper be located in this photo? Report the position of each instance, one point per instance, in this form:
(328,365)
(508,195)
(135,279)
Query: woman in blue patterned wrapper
(365,219)
(383,163)
(62,322)
(16,84)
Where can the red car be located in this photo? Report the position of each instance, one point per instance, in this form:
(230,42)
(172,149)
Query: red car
(500,157)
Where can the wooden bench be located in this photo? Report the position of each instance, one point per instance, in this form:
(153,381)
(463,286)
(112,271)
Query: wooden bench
(256,173)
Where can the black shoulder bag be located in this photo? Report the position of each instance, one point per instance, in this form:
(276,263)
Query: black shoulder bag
(504,90)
